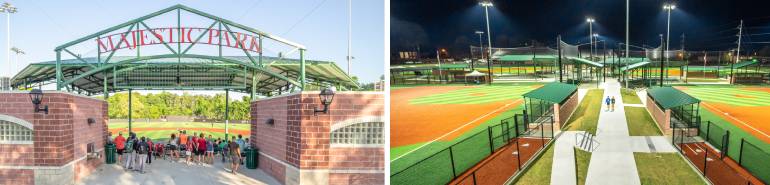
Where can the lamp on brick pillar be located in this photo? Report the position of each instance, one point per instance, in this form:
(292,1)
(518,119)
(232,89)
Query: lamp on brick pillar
(326,96)
(36,95)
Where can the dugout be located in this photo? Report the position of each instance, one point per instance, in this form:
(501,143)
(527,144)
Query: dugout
(428,74)
(749,72)
(557,99)
(673,109)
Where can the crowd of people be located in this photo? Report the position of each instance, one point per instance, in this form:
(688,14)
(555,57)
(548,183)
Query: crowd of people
(133,153)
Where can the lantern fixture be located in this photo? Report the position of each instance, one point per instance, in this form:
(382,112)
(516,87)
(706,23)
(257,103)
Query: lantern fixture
(326,96)
(36,96)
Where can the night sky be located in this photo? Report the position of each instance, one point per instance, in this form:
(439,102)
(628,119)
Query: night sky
(707,25)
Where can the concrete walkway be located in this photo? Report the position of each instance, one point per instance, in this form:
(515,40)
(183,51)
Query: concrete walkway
(166,172)
(613,162)
(563,166)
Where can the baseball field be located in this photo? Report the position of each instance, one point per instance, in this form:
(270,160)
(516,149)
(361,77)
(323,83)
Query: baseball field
(163,130)
(742,111)
(429,119)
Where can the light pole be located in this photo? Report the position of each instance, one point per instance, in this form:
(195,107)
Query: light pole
(481,45)
(8,9)
(668,7)
(486,5)
(626,81)
(591,36)
(438,57)
(350,30)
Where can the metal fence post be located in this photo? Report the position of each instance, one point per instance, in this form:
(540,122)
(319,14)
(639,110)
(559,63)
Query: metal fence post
(705,160)
(452,158)
(518,155)
(725,142)
(740,154)
(491,144)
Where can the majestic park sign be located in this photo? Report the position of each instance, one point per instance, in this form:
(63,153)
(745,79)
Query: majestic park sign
(170,35)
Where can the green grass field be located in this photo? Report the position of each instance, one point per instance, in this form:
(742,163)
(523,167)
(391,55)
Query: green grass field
(726,94)
(586,116)
(665,168)
(400,160)
(582,159)
(640,122)
(540,171)
(629,96)
(165,134)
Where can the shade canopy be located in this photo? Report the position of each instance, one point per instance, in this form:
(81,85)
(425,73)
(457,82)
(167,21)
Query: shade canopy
(669,97)
(552,92)
(187,74)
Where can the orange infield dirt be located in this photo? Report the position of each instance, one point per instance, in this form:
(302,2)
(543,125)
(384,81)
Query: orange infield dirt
(752,118)
(720,171)
(234,131)
(498,167)
(412,124)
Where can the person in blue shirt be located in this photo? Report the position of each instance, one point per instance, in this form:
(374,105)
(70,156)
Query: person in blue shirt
(241,144)
(607,102)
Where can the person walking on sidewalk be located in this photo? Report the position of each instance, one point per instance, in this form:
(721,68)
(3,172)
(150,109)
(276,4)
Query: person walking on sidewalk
(607,102)
(612,104)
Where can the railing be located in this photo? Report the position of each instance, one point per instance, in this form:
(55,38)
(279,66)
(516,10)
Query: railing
(460,158)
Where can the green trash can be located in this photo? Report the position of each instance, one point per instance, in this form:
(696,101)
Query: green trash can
(109,152)
(251,158)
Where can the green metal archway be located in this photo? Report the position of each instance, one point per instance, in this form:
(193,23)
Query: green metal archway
(178,68)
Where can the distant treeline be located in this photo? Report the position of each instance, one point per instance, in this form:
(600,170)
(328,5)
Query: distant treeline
(160,105)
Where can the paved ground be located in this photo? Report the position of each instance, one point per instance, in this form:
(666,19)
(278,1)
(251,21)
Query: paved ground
(563,166)
(613,161)
(165,172)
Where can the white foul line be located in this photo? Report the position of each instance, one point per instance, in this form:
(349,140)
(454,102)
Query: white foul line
(736,119)
(455,130)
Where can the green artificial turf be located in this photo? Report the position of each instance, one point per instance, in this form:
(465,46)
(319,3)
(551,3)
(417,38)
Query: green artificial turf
(630,97)
(640,123)
(540,170)
(665,168)
(582,159)
(586,116)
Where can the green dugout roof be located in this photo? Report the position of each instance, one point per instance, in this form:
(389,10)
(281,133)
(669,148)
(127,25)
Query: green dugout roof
(552,92)
(418,67)
(585,61)
(633,66)
(669,97)
(744,63)
(186,73)
(520,58)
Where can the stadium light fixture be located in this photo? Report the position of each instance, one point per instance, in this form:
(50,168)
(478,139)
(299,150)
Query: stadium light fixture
(591,36)
(36,96)
(326,96)
(8,9)
(668,7)
(486,4)
(481,45)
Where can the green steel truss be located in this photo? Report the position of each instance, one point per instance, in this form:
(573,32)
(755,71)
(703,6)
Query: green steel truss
(179,70)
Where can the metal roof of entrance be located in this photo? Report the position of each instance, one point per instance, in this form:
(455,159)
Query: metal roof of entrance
(189,73)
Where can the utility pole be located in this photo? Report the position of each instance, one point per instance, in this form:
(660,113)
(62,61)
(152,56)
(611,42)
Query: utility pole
(738,54)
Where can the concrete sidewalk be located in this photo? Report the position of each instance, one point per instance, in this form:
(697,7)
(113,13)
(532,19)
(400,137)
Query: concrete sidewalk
(613,162)
(563,166)
(166,172)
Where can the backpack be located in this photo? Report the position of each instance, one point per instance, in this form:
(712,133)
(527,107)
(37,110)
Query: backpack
(142,148)
(129,146)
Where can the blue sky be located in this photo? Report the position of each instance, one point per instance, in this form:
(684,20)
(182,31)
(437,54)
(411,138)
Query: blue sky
(39,26)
